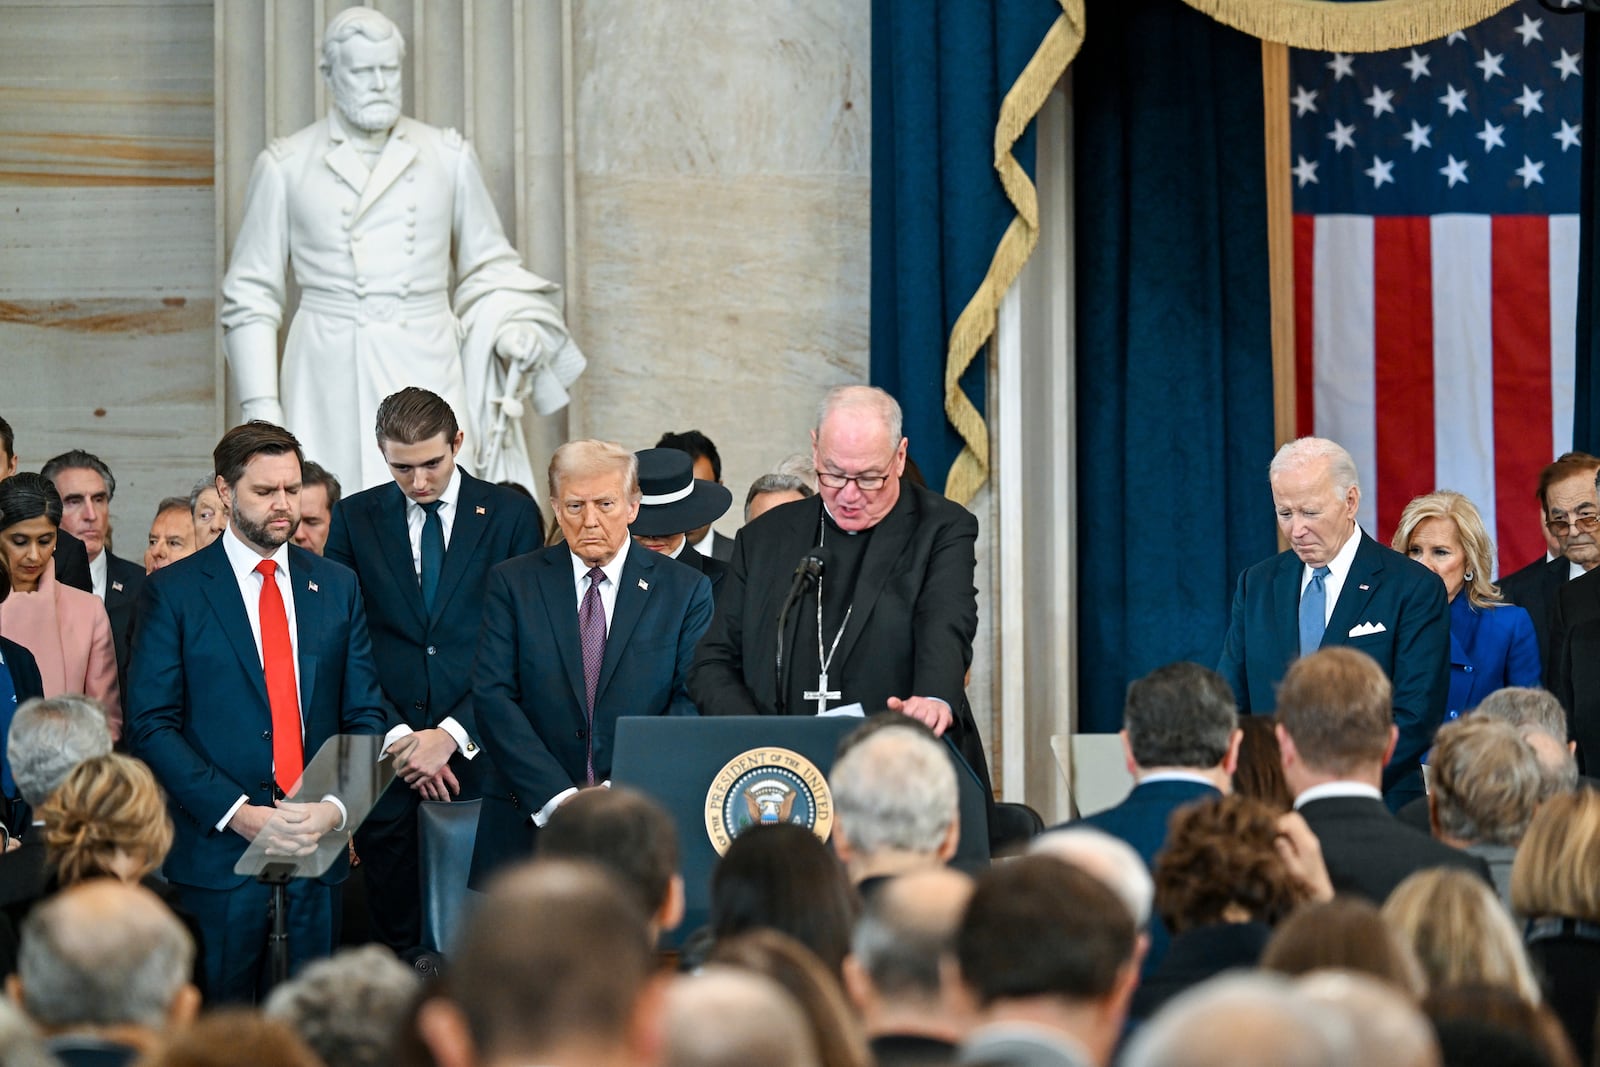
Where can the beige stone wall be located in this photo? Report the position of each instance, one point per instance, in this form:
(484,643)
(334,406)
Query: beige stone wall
(106,312)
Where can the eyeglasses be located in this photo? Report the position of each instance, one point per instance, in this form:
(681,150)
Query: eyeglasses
(865,482)
(1586,523)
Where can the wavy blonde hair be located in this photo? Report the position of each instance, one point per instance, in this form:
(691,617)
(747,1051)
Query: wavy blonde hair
(106,805)
(1460,932)
(1474,537)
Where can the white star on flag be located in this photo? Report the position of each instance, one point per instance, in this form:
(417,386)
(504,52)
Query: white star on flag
(1568,135)
(1454,37)
(1305,171)
(1341,65)
(1418,65)
(1380,172)
(1490,65)
(1530,172)
(1342,136)
(1568,64)
(1529,100)
(1454,171)
(1454,100)
(1418,136)
(1490,136)
(1379,101)
(1529,30)
(1304,100)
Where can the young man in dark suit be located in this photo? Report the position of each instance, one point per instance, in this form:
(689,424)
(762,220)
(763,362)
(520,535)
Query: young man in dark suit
(422,547)
(249,655)
(1337,586)
(898,606)
(574,637)
(1335,734)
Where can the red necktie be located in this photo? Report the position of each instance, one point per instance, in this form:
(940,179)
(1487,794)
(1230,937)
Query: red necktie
(277,662)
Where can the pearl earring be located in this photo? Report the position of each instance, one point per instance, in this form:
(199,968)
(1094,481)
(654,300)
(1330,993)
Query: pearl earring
(1468,576)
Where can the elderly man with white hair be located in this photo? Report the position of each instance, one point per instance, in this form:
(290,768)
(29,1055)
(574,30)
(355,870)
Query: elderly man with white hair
(1335,585)
(895,802)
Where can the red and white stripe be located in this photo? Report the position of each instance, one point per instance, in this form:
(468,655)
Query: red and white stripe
(1440,351)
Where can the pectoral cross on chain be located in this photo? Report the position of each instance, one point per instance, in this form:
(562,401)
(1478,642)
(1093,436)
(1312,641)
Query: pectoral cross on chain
(822,694)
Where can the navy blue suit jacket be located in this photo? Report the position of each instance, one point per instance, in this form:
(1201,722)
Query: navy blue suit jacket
(529,688)
(1534,589)
(1490,648)
(1383,588)
(425,658)
(197,711)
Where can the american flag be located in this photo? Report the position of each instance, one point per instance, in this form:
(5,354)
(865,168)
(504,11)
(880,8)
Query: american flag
(1436,263)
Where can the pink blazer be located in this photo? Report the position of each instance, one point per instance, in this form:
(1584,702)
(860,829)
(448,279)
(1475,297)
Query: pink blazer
(68,632)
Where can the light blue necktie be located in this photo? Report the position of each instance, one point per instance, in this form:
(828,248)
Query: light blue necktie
(1313,612)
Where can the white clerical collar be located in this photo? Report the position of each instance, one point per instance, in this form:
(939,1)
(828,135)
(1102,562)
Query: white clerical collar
(1341,788)
(836,525)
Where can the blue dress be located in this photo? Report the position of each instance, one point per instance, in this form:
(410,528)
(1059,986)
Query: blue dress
(1490,648)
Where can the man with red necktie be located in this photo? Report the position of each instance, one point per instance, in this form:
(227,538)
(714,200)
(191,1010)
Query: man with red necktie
(249,655)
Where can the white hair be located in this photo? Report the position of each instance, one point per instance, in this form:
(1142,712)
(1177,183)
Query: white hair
(895,790)
(862,398)
(1243,1020)
(1341,465)
(368,22)
(1109,859)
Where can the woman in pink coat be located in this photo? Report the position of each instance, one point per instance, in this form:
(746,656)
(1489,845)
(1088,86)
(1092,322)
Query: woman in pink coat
(66,629)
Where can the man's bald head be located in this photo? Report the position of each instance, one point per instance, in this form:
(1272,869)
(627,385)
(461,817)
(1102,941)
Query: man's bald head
(907,934)
(729,1017)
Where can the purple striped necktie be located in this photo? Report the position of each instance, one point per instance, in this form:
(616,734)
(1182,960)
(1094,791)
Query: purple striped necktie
(592,636)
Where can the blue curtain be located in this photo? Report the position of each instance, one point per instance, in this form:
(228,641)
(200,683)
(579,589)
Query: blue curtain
(1586,383)
(940,69)
(1174,358)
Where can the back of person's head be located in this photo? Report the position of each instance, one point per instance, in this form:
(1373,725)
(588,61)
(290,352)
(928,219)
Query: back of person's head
(556,954)
(839,1040)
(1335,705)
(1525,706)
(724,1016)
(905,940)
(697,445)
(1343,934)
(1244,1020)
(1460,932)
(1038,926)
(1110,859)
(1557,869)
(629,835)
(1496,1014)
(51,735)
(20,1043)
(1259,773)
(108,818)
(349,1007)
(233,1037)
(1221,860)
(1180,715)
(105,954)
(895,792)
(1486,781)
(783,878)
(1388,1031)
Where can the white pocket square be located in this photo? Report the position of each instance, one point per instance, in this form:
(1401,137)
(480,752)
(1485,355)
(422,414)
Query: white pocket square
(1368,628)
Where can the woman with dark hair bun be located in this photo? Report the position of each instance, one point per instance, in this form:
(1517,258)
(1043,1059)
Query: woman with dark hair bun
(783,878)
(66,629)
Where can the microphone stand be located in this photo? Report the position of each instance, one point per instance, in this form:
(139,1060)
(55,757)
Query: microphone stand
(809,570)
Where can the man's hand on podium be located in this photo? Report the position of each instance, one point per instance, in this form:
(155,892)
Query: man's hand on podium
(932,713)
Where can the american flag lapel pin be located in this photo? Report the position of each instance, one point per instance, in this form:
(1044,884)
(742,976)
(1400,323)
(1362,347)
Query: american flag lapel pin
(480,510)
(1365,587)
(311,586)
(644,585)
(117,586)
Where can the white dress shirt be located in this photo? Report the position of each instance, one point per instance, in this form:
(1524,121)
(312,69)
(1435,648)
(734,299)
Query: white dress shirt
(416,516)
(1338,571)
(1341,788)
(97,574)
(608,601)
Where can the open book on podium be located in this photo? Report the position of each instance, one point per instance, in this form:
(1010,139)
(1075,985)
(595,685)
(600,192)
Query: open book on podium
(347,768)
(722,775)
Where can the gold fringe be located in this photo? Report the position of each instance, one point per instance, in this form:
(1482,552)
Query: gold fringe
(1370,26)
(975,325)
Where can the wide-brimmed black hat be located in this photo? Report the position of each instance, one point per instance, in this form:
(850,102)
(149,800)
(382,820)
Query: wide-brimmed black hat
(674,500)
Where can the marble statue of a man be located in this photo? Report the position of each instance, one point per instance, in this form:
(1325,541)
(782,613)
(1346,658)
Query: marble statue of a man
(375,212)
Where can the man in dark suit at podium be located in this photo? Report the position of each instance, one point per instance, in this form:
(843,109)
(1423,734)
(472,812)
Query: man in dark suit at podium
(1337,586)
(898,608)
(249,655)
(422,547)
(574,637)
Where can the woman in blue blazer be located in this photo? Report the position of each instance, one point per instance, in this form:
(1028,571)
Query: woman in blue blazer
(1492,643)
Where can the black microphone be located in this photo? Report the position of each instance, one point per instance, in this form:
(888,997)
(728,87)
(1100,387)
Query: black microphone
(808,571)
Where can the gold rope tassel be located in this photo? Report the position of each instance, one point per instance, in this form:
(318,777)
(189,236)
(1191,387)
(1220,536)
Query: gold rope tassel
(1370,26)
(976,323)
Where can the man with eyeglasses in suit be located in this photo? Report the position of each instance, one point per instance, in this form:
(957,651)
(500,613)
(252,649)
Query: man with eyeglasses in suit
(1572,672)
(891,621)
(1567,508)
